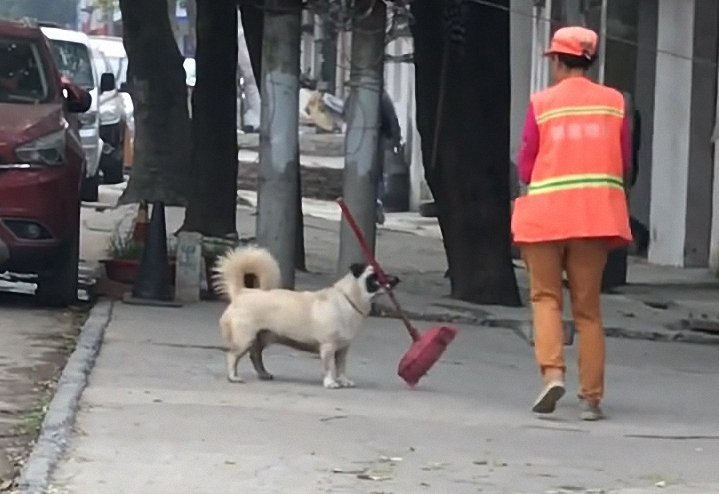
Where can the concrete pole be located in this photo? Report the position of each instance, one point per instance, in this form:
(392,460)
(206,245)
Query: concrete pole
(362,138)
(603,42)
(277,181)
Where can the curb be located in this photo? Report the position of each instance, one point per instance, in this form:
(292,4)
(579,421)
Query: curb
(60,416)
(519,326)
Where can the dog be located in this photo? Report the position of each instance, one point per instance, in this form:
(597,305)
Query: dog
(260,313)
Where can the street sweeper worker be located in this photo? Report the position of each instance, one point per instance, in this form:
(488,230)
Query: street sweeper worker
(575,154)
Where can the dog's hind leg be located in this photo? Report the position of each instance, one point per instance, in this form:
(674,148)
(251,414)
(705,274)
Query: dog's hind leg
(341,363)
(236,350)
(256,357)
(327,355)
(233,358)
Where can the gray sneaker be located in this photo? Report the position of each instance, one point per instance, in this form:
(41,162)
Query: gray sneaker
(547,400)
(591,413)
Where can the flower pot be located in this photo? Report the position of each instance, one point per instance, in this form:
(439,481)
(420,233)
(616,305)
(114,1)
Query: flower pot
(126,270)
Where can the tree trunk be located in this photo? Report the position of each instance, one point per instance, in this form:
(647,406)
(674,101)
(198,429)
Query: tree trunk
(213,201)
(470,179)
(253,23)
(157,84)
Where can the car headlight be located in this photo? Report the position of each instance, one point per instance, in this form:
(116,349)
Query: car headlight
(46,150)
(88,119)
(110,115)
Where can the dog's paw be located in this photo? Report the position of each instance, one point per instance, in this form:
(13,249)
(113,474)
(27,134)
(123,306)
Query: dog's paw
(330,383)
(346,383)
(265,376)
(235,379)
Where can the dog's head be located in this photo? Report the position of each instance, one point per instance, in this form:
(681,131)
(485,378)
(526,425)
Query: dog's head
(369,281)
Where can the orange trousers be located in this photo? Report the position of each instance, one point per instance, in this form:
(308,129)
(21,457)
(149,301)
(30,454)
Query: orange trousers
(584,261)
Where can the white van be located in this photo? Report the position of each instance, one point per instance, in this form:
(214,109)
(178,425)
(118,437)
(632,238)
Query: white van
(74,60)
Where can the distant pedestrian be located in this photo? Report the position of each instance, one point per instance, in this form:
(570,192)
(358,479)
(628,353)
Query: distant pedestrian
(575,154)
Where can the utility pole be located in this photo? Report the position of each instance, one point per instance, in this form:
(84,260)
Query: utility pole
(279,126)
(363,118)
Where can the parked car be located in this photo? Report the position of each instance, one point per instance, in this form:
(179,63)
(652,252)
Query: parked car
(115,108)
(74,60)
(42,163)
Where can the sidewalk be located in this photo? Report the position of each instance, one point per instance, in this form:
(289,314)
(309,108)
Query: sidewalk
(658,304)
(159,417)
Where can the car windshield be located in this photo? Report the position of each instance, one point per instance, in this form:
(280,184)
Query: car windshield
(22,78)
(100,62)
(119,68)
(73,60)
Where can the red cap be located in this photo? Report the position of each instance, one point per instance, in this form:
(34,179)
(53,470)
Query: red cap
(574,40)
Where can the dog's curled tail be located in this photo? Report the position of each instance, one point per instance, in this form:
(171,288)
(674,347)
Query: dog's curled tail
(245,267)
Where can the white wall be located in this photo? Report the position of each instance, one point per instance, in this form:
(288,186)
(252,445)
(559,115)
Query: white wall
(670,147)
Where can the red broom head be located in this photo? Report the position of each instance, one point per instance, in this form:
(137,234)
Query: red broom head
(424,353)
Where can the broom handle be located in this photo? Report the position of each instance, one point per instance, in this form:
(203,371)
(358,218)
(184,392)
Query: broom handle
(380,273)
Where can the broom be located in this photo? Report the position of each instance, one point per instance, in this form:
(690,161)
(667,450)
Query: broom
(426,348)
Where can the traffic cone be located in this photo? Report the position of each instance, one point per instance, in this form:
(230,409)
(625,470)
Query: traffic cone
(153,285)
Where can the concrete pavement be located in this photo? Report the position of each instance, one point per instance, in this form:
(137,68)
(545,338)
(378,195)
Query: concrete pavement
(160,417)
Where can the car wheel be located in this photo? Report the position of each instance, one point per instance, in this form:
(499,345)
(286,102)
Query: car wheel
(112,166)
(90,185)
(59,288)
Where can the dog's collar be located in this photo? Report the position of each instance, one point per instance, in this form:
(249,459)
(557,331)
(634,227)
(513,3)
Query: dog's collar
(354,306)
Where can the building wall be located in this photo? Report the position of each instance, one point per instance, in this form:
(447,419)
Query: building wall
(672,121)
(648,15)
(683,158)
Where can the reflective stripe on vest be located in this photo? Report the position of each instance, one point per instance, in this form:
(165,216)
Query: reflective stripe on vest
(579,111)
(569,182)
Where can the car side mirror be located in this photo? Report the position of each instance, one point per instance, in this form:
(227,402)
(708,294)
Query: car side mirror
(124,87)
(107,82)
(77,99)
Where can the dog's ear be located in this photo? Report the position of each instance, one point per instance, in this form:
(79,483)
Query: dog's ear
(357,269)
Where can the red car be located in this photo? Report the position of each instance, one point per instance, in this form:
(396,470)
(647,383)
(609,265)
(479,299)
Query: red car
(41,164)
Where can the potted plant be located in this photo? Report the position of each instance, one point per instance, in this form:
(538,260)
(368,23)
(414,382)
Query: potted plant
(124,254)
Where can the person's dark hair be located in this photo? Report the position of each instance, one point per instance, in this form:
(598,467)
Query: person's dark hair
(576,62)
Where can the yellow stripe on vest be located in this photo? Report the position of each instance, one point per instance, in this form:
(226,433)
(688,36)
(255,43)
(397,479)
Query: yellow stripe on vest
(579,111)
(568,182)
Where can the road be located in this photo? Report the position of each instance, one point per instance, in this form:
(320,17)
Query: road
(159,417)
(34,346)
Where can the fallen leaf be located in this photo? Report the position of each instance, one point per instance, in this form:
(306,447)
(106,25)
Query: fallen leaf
(334,417)
(230,462)
(481,462)
(661,483)
(374,477)
(348,472)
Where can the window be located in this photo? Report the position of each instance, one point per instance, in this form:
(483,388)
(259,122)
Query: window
(22,78)
(73,61)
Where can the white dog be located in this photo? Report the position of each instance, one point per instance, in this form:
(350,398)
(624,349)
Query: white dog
(260,314)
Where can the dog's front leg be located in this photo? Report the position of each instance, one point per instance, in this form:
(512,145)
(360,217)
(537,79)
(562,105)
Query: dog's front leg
(327,354)
(341,362)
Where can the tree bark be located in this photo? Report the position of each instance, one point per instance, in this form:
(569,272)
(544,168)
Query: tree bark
(253,23)
(213,200)
(470,179)
(157,84)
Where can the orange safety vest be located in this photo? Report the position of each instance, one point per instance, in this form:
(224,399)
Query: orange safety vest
(577,184)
